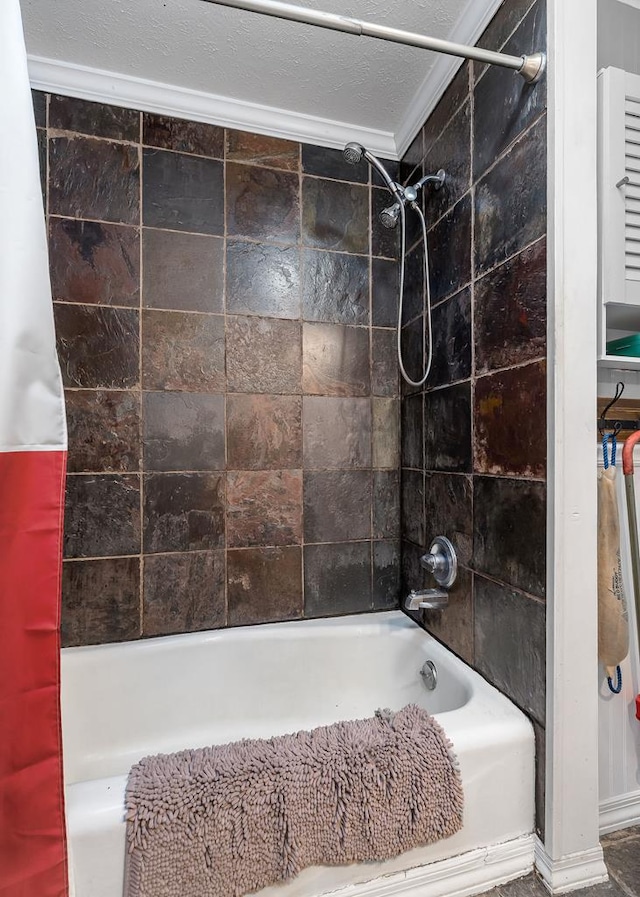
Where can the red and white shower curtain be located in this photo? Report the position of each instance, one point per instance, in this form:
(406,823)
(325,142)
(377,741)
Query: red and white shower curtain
(33,443)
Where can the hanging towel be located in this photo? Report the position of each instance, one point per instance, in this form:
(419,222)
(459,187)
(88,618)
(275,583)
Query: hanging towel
(233,819)
(613,623)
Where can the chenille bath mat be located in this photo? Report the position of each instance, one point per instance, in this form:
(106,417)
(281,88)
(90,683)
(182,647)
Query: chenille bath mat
(231,819)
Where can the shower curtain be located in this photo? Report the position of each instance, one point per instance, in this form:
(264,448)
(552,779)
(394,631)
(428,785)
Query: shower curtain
(32,469)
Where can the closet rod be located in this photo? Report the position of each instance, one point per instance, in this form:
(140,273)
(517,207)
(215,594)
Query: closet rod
(530,67)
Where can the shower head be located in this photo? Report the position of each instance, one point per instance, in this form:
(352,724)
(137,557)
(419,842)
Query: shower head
(389,216)
(353,153)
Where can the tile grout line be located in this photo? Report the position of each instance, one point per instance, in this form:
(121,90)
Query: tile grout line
(472,114)
(234,238)
(47,162)
(426,291)
(221,471)
(225,306)
(510,477)
(303,591)
(140,374)
(216,314)
(372,477)
(70,134)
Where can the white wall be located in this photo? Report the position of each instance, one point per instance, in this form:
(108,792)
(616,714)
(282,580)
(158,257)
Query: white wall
(619,34)
(571,856)
(619,730)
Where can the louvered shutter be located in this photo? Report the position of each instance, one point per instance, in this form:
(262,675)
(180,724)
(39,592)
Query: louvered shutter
(619,186)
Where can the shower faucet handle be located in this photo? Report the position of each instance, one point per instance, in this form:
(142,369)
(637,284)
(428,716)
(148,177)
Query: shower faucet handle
(431,562)
(441,561)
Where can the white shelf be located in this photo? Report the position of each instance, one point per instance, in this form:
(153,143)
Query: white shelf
(619,362)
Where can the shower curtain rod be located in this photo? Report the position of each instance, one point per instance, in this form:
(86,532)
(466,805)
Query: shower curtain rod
(530,67)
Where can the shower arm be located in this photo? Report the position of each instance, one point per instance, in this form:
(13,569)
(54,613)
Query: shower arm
(394,188)
(530,67)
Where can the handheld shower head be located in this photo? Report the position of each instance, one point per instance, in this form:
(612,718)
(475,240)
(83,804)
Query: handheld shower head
(353,153)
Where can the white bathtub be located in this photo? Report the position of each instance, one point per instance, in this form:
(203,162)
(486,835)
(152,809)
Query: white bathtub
(121,702)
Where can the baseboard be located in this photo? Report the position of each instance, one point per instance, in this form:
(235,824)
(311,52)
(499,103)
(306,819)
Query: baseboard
(460,876)
(99,86)
(576,870)
(619,812)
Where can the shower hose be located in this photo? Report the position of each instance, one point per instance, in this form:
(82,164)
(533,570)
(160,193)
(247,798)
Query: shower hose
(403,241)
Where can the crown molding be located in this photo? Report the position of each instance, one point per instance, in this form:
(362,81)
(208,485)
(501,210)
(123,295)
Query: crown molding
(474,19)
(100,86)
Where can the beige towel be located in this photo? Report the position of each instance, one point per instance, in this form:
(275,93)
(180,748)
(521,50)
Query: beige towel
(613,624)
(232,819)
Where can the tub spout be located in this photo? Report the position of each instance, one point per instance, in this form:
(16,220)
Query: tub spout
(426,599)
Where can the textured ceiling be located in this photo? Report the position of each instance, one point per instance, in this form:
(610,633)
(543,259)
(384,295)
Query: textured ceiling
(256,59)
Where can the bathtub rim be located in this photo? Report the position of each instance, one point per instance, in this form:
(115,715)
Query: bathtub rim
(477,688)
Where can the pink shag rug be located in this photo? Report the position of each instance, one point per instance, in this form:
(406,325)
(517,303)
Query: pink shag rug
(232,819)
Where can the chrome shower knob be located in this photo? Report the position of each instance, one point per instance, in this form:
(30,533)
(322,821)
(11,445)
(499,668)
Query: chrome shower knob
(441,562)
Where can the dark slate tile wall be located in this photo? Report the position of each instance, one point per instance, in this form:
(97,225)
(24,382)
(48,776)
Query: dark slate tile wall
(474,440)
(225,316)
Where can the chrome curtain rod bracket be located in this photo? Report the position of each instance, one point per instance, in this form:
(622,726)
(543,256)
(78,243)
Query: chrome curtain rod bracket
(533,67)
(529,67)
